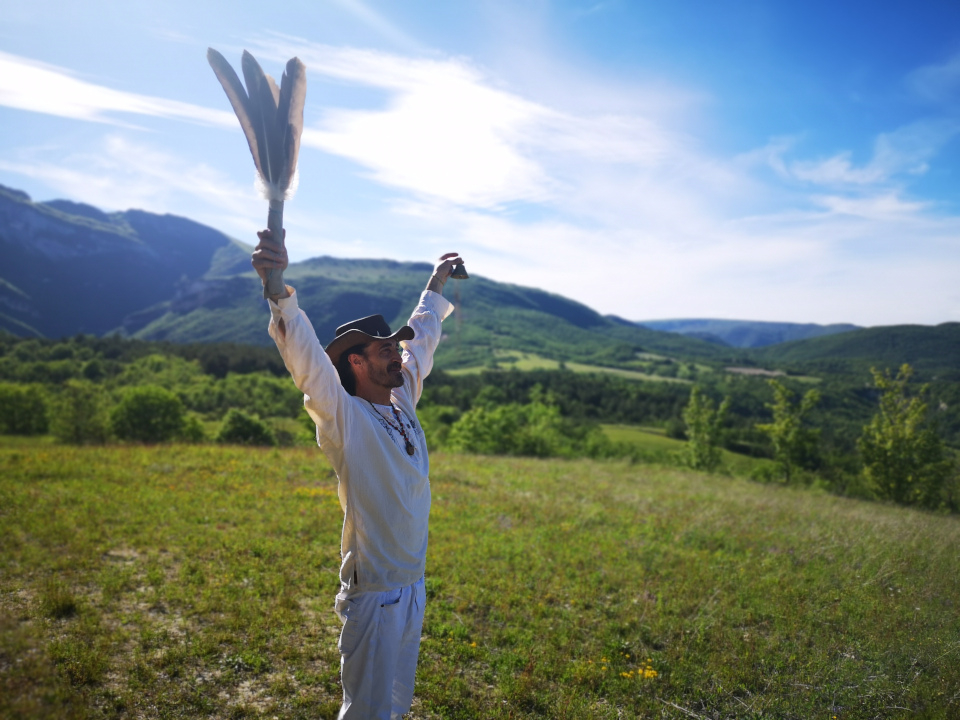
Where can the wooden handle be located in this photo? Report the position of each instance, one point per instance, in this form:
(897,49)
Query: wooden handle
(274,284)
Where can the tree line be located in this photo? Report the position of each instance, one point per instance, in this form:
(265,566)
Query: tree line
(870,439)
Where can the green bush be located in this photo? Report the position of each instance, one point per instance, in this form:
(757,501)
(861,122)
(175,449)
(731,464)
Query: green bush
(148,414)
(904,460)
(23,410)
(535,430)
(704,424)
(78,413)
(192,430)
(241,429)
(795,443)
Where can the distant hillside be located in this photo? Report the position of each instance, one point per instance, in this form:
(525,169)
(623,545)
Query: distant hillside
(745,333)
(70,268)
(931,350)
(491,316)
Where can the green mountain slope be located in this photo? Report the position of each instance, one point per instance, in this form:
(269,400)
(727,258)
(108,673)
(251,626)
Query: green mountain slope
(491,316)
(746,333)
(70,268)
(928,349)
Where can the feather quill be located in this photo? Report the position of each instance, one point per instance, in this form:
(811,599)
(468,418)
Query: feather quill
(238,99)
(293,95)
(272,121)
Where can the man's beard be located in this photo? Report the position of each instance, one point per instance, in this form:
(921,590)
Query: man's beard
(390,376)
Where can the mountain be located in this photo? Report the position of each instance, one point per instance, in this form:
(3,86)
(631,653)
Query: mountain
(934,351)
(491,316)
(70,268)
(745,333)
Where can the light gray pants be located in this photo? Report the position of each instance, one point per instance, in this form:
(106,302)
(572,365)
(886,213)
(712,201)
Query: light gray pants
(379,645)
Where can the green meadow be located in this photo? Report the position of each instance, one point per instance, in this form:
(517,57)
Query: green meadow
(653,444)
(526,362)
(197,581)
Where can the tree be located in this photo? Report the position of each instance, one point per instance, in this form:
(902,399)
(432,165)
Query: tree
(78,413)
(903,458)
(23,410)
(238,428)
(148,414)
(704,425)
(794,443)
(536,429)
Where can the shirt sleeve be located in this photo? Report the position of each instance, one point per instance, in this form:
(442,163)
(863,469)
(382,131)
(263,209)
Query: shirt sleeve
(309,365)
(430,312)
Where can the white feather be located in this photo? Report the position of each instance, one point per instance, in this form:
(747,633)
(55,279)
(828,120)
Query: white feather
(270,191)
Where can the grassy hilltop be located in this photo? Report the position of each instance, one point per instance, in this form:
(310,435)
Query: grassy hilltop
(197,581)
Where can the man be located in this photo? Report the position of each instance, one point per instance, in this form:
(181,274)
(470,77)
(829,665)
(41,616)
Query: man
(362,393)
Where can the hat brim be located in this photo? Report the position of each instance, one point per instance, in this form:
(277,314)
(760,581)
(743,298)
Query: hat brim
(357,337)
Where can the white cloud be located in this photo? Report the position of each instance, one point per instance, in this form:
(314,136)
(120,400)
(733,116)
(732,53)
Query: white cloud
(120,174)
(26,84)
(631,215)
(449,132)
(444,133)
(905,151)
(611,205)
(379,24)
(882,207)
(878,261)
(938,83)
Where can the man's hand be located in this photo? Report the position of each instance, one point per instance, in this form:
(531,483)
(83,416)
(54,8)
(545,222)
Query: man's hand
(269,255)
(441,273)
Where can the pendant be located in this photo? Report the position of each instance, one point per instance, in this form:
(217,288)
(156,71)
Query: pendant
(410,448)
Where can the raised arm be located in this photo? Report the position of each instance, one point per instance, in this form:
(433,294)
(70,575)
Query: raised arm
(425,321)
(270,255)
(442,271)
(308,364)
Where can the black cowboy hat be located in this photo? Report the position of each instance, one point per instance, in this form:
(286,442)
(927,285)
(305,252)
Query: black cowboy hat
(364,330)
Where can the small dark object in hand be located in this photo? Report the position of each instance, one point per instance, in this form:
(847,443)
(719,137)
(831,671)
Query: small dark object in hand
(459,272)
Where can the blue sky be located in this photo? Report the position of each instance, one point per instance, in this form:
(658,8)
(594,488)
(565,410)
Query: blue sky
(792,161)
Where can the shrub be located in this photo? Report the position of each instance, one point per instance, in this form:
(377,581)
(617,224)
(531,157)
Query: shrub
(704,424)
(23,410)
(148,414)
(241,429)
(535,430)
(78,413)
(795,444)
(904,459)
(192,430)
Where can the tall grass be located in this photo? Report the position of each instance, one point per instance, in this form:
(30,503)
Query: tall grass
(195,581)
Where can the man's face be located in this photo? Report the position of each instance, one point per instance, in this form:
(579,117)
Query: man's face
(383,363)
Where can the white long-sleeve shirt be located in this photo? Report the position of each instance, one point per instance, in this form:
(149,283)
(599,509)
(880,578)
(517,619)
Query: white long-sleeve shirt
(384,492)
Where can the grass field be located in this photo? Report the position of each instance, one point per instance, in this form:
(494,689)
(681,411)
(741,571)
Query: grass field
(188,582)
(525,362)
(654,443)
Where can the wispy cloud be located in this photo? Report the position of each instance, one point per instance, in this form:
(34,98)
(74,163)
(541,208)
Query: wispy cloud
(613,205)
(445,132)
(905,151)
(26,84)
(634,213)
(449,132)
(119,174)
(939,83)
(379,24)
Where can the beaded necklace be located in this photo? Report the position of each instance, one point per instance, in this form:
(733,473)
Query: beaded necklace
(399,426)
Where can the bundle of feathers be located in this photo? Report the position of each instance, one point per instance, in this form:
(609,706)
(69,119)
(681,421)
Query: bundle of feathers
(271,118)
